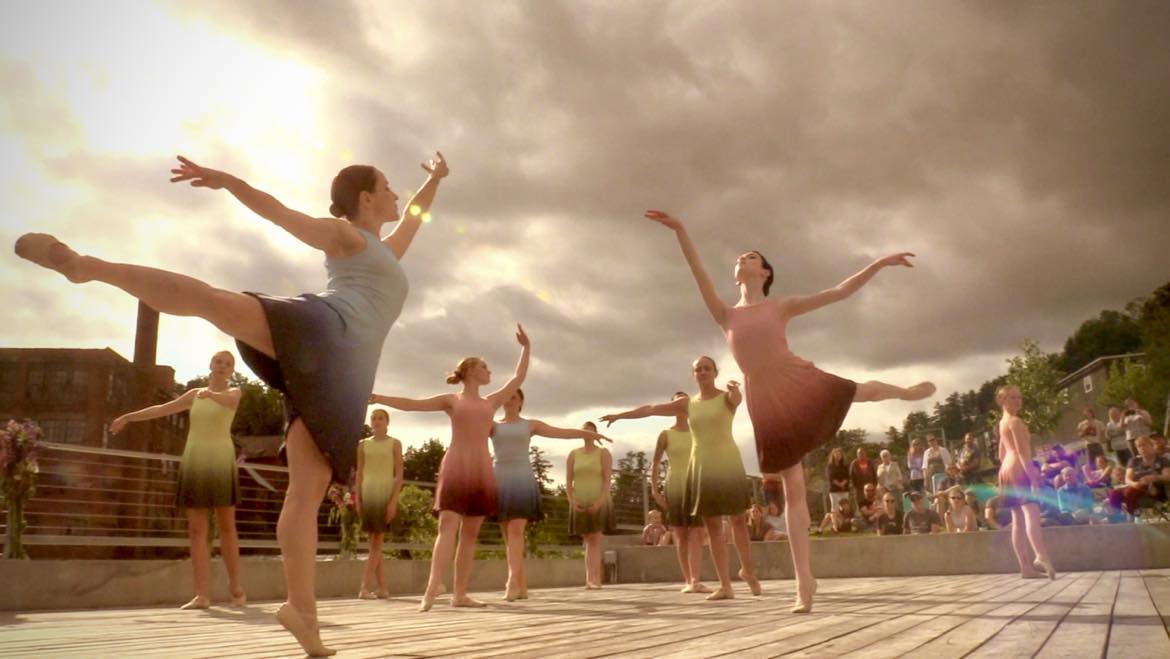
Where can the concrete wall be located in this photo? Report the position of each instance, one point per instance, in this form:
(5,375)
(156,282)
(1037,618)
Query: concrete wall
(79,584)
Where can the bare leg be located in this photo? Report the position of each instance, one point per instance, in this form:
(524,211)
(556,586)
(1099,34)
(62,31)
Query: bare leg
(296,531)
(520,525)
(464,559)
(873,391)
(743,546)
(682,546)
(796,508)
(593,560)
(714,526)
(1020,545)
(695,558)
(200,558)
(379,573)
(1035,534)
(514,546)
(449,523)
(236,314)
(229,549)
(373,561)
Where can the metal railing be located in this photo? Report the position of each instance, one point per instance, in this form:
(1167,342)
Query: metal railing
(108,503)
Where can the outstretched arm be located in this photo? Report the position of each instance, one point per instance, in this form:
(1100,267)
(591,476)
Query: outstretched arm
(412,214)
(330,235)
(715,305)
(180,404)
(497,398)
(734,395)
(545,430)
(440,403)
(805,303)
(673,408)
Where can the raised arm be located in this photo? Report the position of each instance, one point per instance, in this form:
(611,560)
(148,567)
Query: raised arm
(734,395)
(330,235)
(440,403)
(673,408)
(543,429)
(799,304)
(412,214)
(716,306)
(180,404)
(505,392)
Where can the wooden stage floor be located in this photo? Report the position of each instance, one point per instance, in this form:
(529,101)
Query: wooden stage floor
(1084,614)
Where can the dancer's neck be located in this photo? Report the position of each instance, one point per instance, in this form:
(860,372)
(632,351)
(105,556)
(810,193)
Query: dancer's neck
(217,383)
(751,294)
(368,224)
(681,424)
(708,390)
(470,389)
(511,417)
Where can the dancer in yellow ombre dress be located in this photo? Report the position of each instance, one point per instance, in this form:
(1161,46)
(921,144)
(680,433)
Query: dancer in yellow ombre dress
(379,480)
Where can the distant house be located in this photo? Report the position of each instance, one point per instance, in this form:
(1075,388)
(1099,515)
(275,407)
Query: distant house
(1084,385)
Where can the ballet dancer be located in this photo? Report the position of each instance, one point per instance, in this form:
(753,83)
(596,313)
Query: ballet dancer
(588,475)
(1019,486)
(675,444)
(379,480)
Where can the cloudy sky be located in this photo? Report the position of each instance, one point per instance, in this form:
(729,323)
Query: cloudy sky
(1021,151)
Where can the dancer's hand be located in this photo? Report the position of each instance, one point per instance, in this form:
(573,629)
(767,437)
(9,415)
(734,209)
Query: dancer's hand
(437,166)
(665,219)
(609,419)
(595,507)
(203,393)
(200,177)
(733,386)
(391,510)
(595,436)
(374,399)
(521,337)
(660,500)
(902,258)
(118,424)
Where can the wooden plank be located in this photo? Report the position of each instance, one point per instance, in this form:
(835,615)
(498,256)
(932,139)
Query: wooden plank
(1135,628)
(1158,583)
(1024,636)
(1084,631)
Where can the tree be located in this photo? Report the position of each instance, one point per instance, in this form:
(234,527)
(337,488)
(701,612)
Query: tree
(1036,374)
(1110,333)
(1153,319)
(541,469)
(1128,379)
(626,491)
(848,441)
(421,463)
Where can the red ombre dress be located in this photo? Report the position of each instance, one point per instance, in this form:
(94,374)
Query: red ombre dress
(794,406)
(467,484)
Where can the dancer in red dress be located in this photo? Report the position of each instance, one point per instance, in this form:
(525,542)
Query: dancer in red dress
(794,406)
(466,492)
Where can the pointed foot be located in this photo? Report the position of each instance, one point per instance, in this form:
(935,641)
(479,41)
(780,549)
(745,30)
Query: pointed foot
(305,633)
(752,582)
(48,252)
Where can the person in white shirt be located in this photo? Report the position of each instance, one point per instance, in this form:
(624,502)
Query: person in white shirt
(935,460)
(889,475)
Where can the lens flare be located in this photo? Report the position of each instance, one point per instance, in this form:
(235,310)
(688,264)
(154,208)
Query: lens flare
(415,209)
(426,217)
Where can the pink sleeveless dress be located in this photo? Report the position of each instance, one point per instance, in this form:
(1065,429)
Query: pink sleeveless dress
(1015,487)
(794,406)
(467,484)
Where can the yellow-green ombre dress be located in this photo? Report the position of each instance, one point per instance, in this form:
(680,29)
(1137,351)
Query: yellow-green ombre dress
(208,477)
(678,455)
(377,480)
(716,481)
(587,489)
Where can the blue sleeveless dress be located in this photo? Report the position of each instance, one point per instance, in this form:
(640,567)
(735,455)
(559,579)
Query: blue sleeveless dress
(328,346)
(516,487)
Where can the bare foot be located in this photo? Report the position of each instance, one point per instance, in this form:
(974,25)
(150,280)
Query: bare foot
(752,582)
(511,595)
(689,588)
(48,252)
(1046,565)
(523,594)
(197,602)
(428,599)
(467,601)
(919,391)
(239,598)
(804,600)
(722,593)
(1031,574)
(305,633)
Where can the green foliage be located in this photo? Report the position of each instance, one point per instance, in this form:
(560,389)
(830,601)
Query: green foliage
(1153,319)
(421,463)
(541,469)
(1110,333)
(1036,374)
(415,523)
(1128,379)
(848,441)
(629,475)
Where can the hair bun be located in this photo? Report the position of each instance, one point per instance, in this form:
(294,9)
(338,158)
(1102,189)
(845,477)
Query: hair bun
(336,211)
(454,378)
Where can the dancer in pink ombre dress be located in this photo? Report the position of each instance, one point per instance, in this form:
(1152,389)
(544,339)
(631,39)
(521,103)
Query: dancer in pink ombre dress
(794,406)
(466,492)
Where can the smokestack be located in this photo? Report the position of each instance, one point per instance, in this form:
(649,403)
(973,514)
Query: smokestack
(146,338)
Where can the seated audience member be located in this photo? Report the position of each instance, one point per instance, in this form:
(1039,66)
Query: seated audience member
(668,538)
(653,531)
(1055,460)
(959,517)
(919,519)
(757,528)
(1074,499)
(1148,475)
(1098,474)
(1160,445)
(970,460)
(839,520)
(888,519)
(776,523)
(867,507)
(995,515)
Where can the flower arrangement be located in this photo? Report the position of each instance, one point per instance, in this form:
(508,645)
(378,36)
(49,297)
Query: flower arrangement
(19,443)
(345,515)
